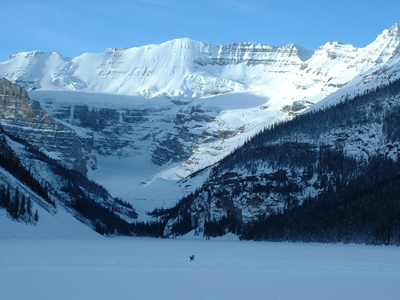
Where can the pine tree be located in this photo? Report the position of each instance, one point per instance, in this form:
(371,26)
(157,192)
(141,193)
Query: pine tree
(22,208)
(29,207)
(36,217)
(15,212)
(7,198)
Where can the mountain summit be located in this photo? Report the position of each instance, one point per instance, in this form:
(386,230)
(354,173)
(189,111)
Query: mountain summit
(188,69)
(178,68)
(395,30)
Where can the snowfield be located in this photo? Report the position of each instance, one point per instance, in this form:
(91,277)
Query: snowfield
(134,268)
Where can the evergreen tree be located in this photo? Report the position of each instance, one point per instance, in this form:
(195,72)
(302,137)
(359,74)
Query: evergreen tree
(36,217)
(29,207)
(6,198)
(16,202)
(22,208)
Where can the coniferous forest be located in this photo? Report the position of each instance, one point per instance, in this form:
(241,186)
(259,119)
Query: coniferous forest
(355,196)
(363,210)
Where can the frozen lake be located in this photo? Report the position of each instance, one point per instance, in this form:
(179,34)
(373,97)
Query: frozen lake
(134,268)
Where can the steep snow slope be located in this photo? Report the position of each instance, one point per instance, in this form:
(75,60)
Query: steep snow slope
(59,225)
(53,222)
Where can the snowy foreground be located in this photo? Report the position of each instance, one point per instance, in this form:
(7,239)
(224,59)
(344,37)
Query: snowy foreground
(133,268)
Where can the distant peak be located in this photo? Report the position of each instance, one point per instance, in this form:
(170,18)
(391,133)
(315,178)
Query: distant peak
(388,38)
(185,40)
(179,42)
(27,54)
(116,49)
(33,54)
(304,53)
(395,29)
(393,32)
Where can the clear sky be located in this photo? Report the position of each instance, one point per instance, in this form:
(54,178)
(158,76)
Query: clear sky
(74,27)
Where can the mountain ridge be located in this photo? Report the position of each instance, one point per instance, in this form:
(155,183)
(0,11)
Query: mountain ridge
(147,117)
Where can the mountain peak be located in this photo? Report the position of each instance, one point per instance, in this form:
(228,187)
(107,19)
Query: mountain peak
(395,29)
(33,54)
(303,53)
(393,32)
(386,44)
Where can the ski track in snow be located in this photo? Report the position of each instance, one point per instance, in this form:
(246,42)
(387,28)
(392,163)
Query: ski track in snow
(141,268)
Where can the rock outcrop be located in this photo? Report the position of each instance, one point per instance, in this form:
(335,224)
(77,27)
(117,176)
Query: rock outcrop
(24,118)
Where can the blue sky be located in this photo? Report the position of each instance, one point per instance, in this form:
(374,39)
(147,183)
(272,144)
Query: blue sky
(74,27)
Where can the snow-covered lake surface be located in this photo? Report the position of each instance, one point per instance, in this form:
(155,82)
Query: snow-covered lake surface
(134,268)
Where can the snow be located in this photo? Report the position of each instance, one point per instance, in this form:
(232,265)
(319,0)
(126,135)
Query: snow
(60,224)
(129,178)
(53,222)
(134,268)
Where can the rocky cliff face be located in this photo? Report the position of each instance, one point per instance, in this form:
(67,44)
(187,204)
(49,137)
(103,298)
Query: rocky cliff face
(252,54)
(24,118)
(167,133)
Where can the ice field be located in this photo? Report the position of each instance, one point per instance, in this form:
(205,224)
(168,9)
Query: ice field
(144,268)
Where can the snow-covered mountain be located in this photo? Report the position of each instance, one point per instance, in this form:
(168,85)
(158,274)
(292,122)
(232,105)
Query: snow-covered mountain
(329,175)
(41,198)
(146,117)
(181,68)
